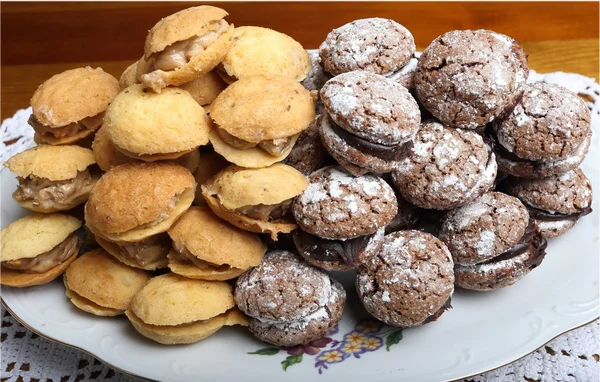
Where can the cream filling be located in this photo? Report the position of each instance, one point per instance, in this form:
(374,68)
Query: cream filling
(49,194)
(275,147)
(266,212)
(164,214)
(182,254)
(47,260)
(147,251)
(89,123)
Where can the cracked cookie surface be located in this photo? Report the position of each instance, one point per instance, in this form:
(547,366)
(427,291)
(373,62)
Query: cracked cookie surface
(466,78)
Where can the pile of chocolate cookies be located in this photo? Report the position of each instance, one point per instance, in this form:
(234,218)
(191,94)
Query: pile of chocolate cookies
(228,170)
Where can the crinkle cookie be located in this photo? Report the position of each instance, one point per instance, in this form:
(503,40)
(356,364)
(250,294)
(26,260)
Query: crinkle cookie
(289,301)
(316,78)
(466,78)
(549,123)
(406,75)
(376,45)
(484,228)
(308,154)
(555,203)
(409,282)
(446,168)
(337,205)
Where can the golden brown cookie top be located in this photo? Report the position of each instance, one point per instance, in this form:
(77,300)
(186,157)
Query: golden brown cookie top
(171,299)
(206,88)
(239,187)
(134,194)
(105,153)
(257,51)
(73,95)
(51,162)
(143,122)
(35,234)
(261,108)
(216,241)
(181,26)
(102,279)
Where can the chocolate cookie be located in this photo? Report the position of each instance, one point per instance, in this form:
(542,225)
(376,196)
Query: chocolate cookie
(308,154)
(289,302)
(466,78)
(484,228)
(406,75)
(446,168)
(549,123)
(506,269)
(555,203)
(376,45)
(409,282)
(408,216)
(316,78)
(337,255)
(337,205)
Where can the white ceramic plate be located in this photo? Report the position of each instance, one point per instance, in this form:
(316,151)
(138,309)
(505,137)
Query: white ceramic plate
(483,330)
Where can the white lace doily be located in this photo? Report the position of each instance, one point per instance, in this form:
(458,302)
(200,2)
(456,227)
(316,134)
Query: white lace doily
(572,357)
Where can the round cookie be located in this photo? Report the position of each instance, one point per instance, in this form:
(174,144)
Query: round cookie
(99,284)
(205,88)
(290,302)
(149,254)
(406,75)
(409,282)
(408,217)
(129,76)
(555,203)
(263,51)
(484,228)
(466,78)
(446,168)
(150,126)
(308,153)
(337,205)
(376,45)
(549,123)
(185,45)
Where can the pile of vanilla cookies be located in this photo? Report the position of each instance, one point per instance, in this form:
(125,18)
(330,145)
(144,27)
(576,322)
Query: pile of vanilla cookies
(228,169)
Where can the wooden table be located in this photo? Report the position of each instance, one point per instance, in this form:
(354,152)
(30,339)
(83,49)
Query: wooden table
(42,39)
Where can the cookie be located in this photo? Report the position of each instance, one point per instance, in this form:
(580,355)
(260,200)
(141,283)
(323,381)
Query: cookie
(466,78)
(336,255)
(129,76)
(409,282)
(555,203)
(205,247)
(446,168)
(316,77)
(196,309)
(70,105)
(484,228)
(376,45)
(549,123)
(150,126)
(407,218)
(99,284)
(255,200)
(308,153)
(119,209)
(211,164)
(262,51)
(52,178)
(37,248)
(149,254)
(259,118)
(506,269)
(205,88)
(406,75)
(337,205)
(185,45)
(289,301)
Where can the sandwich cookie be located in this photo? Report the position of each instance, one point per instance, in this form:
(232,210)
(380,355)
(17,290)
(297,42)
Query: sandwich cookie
(445,168)
(258,119)
(196,309)
(149,254)
(369,123)
(99,284)
(205,88)
(185,45)
(308,154)
(288,301)
(262,51)
(149,126)
(406,75)
(70,105)
(255,200)
(409,282)
(52,178)
(377,45)
(466,78)
(212,164)
(206,247)
(555,203)
(129,76)
(38,248)
(134,201)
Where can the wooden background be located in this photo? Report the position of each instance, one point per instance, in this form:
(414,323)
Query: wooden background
(41,39)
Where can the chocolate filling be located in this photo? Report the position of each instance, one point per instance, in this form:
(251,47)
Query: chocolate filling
(394,152)
(553,217)
(346,251)
(447,305)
